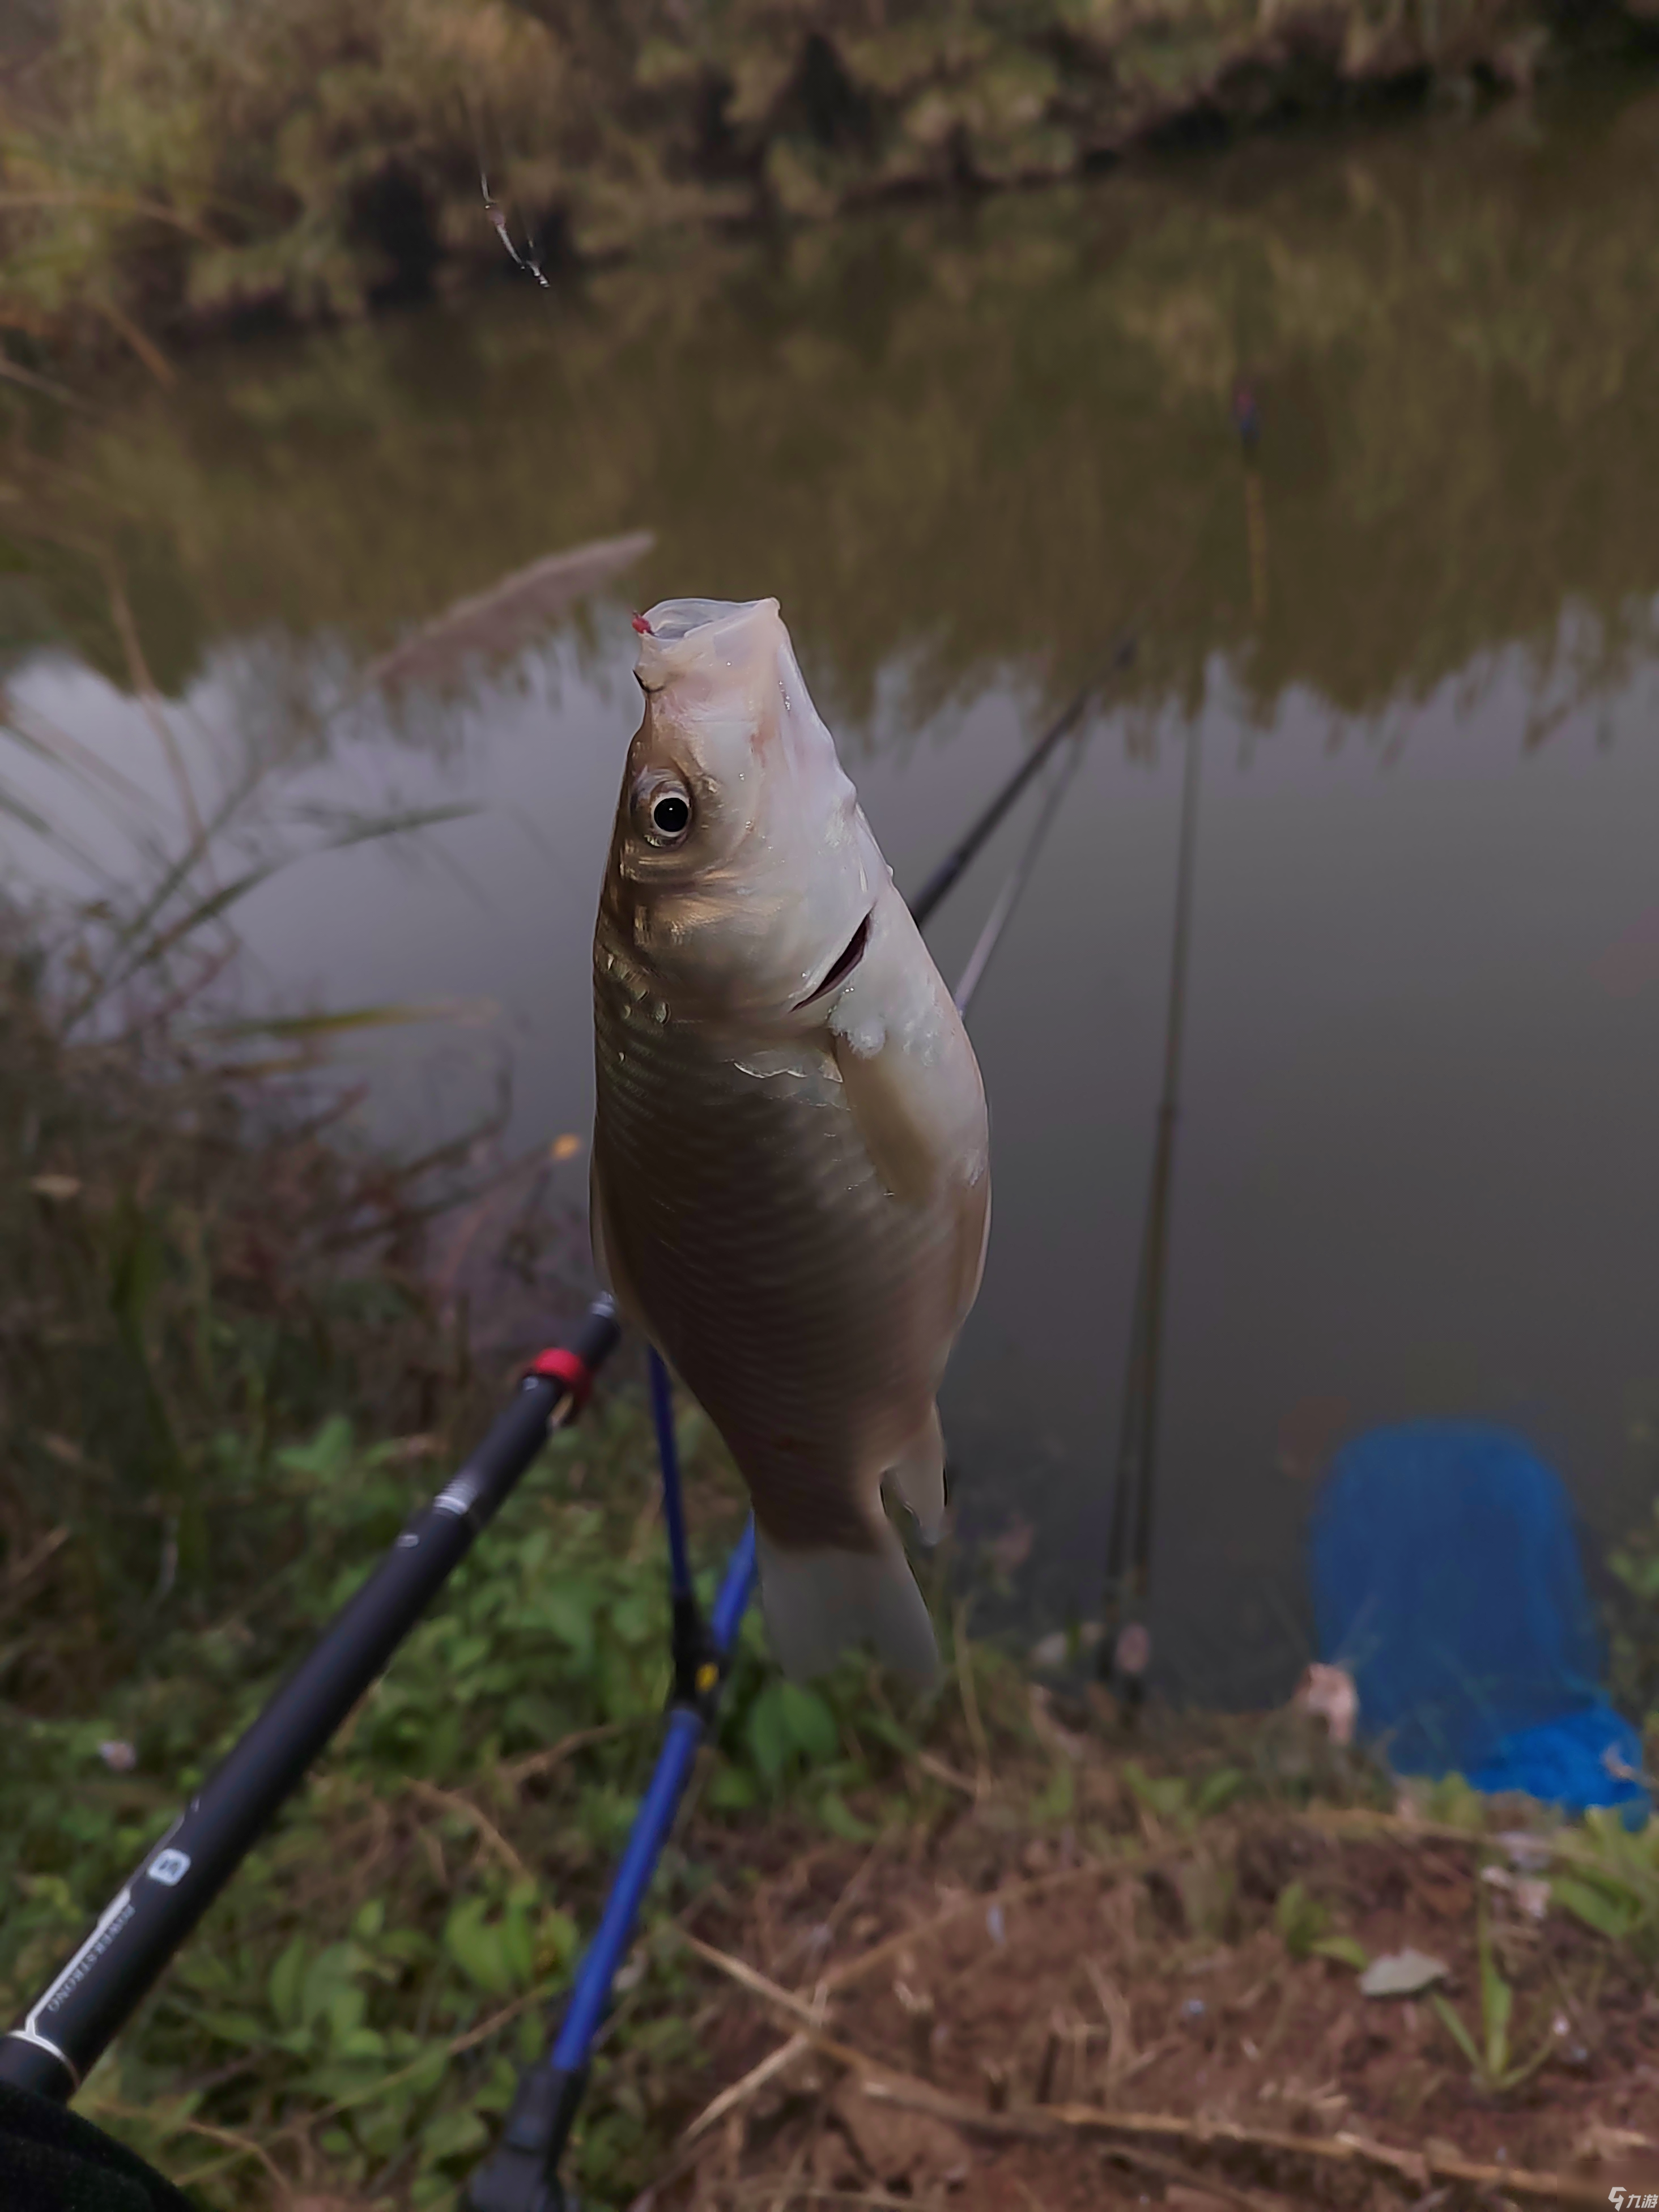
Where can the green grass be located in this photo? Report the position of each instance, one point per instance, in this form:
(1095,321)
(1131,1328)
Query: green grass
(361,1997)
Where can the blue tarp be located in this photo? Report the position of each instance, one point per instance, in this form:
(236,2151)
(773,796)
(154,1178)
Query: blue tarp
(1447,1581)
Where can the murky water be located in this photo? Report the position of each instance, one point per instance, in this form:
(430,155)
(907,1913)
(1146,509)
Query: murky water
(1416,1166)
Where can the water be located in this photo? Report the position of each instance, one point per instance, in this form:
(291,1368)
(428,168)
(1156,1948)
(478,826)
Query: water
(1415,1164)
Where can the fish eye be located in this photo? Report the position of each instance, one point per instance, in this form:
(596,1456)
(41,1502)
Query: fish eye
(665,812)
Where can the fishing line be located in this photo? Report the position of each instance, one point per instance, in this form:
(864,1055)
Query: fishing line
(1019,876)
(668,1459)
(927,898)
(1125,1649)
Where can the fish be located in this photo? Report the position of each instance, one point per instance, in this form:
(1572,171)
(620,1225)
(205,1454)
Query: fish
(791,1161)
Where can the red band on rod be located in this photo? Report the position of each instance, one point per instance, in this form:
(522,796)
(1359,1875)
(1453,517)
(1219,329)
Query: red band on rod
(562,1366)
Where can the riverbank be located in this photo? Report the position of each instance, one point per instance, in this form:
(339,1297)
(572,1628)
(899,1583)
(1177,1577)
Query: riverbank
(1023,1950)
(990,1952)
(1054,1953)
(1277,2004)
(158,181)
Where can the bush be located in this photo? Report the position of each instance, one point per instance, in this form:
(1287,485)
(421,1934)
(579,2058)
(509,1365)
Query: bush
(169,163)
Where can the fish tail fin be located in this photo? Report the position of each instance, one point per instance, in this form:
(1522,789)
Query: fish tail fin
(917,1477)
(820,1603)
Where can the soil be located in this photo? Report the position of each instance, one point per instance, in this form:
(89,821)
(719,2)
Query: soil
(1136,2014)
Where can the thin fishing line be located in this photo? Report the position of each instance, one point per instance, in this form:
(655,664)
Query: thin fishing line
(950,868)
(1128,1558)
(1019,876)
(668,1458)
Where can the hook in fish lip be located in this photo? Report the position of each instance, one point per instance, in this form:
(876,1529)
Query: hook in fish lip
(844,965)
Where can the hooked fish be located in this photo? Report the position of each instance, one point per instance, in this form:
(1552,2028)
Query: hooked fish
(791,1185)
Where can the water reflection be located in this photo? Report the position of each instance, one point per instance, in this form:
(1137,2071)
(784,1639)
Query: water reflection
(1416,1156)
(950,440)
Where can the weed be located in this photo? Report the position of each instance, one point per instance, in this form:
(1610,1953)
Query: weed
(1608,1879)
(1179,1801)
(1491,2055)
(1304,1923)
(1634,1567)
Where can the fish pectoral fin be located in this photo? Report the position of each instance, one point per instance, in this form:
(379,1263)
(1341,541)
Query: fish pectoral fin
(917,1478)
(820,1603)
(887,1110)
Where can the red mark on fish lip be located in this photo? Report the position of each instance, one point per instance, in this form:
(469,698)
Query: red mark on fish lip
(643,627)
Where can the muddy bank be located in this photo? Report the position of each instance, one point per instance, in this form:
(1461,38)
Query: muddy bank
(1184,2009)
(158,181)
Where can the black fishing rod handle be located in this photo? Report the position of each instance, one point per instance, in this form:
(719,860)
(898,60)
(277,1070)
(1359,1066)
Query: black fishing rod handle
(70,2025)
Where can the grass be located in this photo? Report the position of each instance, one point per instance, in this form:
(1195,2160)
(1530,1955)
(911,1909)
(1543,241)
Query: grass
(166,164)
(358,2001)
(1492,2061)
(191,1252)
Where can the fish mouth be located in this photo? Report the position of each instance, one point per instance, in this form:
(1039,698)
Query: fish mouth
(843,966)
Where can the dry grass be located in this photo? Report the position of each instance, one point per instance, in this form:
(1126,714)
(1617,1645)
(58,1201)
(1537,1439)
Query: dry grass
(167,164)
(1016,2013)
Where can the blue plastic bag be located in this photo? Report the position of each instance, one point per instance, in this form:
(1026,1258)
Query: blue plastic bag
(1447,1581)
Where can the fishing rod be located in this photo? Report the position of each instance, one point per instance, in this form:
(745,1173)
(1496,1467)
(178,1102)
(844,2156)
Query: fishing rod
(1123,1656)
(68,2028)
(927,898)
(1019,876)
(521,2174)
(1125,1650)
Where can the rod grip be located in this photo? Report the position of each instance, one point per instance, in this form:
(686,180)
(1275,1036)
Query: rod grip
(72,2022)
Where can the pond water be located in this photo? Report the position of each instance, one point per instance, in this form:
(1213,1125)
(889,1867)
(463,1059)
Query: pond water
(1417,639)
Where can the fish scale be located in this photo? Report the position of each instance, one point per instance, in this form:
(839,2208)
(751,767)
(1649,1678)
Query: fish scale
(790,1175)
(753,1178)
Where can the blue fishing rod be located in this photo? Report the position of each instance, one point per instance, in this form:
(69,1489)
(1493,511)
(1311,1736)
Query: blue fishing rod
(522,2175)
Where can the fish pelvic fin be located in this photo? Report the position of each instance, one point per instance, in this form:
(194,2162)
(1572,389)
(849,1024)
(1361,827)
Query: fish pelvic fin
(819,1604)
(917,1478)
